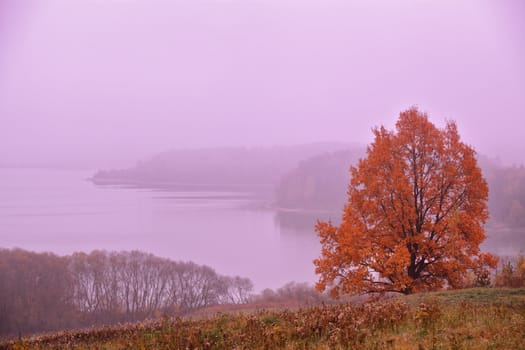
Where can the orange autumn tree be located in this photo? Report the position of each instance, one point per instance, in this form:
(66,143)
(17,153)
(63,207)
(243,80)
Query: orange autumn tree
(414,218)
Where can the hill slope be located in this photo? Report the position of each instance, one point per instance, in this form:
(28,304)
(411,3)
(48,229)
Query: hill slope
(465,319)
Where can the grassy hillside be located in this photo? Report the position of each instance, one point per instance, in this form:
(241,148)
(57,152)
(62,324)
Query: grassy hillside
(465,319)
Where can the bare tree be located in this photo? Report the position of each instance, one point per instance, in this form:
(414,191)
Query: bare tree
(238,290)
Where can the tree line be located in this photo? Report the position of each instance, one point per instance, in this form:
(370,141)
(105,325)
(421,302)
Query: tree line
(45,292)
(321,183)
(507,194)
(216,166)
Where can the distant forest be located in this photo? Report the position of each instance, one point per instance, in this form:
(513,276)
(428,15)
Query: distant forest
(216,166)
(311,177)
(320,183)
(506,193)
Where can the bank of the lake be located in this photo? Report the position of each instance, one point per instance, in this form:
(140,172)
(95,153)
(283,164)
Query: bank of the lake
(233,229)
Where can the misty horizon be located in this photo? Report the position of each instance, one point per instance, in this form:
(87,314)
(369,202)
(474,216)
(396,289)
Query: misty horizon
(132,160)
(104,84)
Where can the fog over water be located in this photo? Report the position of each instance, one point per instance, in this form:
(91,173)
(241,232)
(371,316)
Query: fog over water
(104,84)
(58,211)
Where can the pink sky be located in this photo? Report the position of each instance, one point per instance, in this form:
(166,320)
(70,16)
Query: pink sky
(106,82)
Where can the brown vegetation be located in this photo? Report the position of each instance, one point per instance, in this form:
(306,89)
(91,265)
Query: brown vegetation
(468,319)
(43,292)
(511,273)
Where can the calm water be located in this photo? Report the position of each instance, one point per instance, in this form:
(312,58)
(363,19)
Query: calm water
(61,212)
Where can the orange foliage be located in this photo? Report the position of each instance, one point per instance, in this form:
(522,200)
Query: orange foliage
(414,217)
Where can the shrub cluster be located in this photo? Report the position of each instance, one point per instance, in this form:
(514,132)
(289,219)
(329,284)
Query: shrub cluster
(511,273)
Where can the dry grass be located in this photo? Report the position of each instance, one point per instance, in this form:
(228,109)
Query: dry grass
(466,319)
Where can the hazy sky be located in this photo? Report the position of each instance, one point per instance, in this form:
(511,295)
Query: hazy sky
(101,82)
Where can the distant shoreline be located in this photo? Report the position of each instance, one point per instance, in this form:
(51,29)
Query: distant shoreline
(145,183)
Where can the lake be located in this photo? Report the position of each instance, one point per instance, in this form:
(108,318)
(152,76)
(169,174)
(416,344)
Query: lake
(61,212)
(232,231)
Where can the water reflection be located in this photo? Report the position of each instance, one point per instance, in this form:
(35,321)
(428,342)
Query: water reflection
(296,220)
